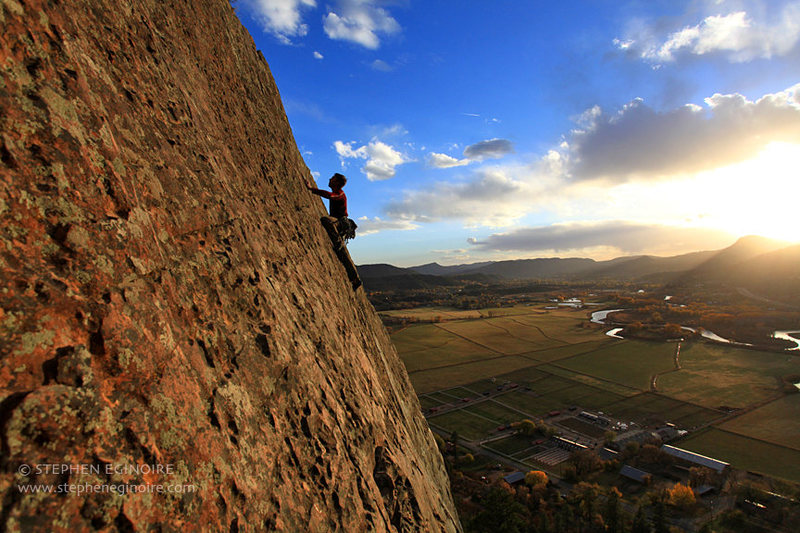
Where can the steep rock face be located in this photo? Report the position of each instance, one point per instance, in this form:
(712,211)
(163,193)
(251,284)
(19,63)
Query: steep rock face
(169,297)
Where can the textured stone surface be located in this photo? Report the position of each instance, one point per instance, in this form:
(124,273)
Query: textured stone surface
(168,295)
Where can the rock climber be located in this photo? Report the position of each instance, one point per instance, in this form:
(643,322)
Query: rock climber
(338,200)
(339,226)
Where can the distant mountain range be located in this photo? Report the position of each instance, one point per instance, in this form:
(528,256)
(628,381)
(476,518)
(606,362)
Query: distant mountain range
(381,277)
(759,264)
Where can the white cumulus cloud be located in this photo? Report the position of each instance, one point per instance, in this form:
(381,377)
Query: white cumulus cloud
(638,142)
(746,30)
(359,21)
(282,18)
(367,226)
(381,158)
(445,161)
(491,197)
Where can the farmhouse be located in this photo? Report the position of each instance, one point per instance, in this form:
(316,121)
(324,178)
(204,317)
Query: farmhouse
(514,477)
(640,476)
(695,458)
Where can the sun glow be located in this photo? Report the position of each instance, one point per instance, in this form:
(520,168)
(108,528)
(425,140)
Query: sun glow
(759,196)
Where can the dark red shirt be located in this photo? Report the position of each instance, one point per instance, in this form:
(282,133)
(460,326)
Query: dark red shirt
(338,201)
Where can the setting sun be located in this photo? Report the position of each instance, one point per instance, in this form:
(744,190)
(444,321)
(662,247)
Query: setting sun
(758,196)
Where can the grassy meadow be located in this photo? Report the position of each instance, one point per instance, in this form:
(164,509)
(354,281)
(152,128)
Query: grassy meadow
(716,375)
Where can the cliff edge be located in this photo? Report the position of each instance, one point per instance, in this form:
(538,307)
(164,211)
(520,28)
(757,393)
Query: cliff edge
(181,348)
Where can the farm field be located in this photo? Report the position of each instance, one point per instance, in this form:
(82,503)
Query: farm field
(714,375)
(500,335)
(657,407)
(444,313)
(556,369)
(531,404)
(511,445)
(549,355)
(467,425)
(564,326)
(777,422)
(464,373)
(584,395)
(495,411)
(745,453)
(431,313)
(585,428)
(427,346)
(631,363)
(482,373)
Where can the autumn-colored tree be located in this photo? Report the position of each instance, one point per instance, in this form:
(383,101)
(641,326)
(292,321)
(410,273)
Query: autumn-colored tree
(535,478)
(672,331)
(681,496)
(585,462)
(528,427)
(634,328)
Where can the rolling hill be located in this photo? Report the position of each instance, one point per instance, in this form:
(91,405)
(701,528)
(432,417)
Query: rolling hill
(764,266)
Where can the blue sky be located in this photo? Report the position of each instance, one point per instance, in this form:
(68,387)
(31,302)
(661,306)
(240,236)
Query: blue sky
(473,131)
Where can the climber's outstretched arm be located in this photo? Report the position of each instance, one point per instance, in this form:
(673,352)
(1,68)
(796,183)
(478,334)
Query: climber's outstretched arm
(318,192)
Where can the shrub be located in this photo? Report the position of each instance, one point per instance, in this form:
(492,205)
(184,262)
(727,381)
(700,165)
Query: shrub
(535,478)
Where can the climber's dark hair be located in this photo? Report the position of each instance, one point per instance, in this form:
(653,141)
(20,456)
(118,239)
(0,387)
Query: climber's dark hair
(340,177)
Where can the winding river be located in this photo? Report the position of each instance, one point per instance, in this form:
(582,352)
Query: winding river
(600,317)
(792,336)
(710,335)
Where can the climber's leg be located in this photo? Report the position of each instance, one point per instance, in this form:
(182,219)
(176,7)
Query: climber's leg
(350,267)
(331,224)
